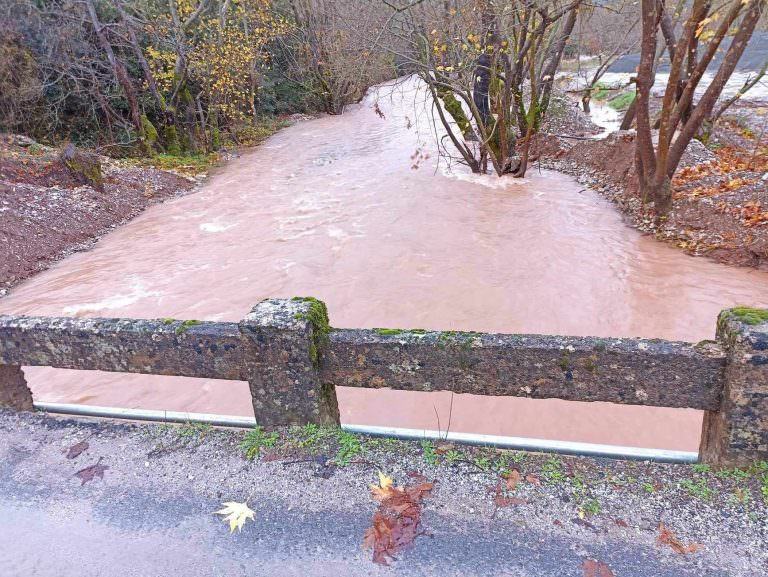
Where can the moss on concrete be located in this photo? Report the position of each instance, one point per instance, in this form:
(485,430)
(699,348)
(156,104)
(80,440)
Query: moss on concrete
(746,315)
(317,315)
(184,326)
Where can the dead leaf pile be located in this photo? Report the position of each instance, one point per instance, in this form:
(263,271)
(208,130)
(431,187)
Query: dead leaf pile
(667,537)
(397,522)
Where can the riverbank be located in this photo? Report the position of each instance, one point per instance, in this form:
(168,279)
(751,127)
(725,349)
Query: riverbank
(720,192)
(150,505)
(48,213)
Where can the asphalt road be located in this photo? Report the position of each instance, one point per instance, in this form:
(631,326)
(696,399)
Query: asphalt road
(151,516)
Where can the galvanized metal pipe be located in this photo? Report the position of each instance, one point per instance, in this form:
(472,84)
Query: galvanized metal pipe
(518,443)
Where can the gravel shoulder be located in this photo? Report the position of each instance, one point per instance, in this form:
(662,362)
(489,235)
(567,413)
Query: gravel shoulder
(151,513)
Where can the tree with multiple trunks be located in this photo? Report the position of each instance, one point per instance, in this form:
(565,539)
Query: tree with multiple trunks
(702,37)
(490,68)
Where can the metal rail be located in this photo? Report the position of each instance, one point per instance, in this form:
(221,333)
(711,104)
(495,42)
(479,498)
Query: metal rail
(519,443)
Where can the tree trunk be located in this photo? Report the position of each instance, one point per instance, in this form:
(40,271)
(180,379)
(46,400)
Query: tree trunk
(661,194)
(629,116)
(121,74)
(585,102)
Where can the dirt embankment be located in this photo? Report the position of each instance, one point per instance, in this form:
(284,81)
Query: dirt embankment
(47,213)
(720,192)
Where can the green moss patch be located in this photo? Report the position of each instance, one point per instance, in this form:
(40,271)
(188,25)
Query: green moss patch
(746,315)
(184,326)
(317,315)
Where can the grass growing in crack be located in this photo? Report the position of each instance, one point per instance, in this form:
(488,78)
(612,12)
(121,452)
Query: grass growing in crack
(516,456)
(553,471)
(257,439)
(198,430)
(591,507)
(311,436)
(452,456)
(649,488)
(350,448)
(737,475)
(699,488)
(482,463)
(428,452)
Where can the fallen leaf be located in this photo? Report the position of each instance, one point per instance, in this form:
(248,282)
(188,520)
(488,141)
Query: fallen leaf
(236,514)
(513,478)
(397,522)
(75,450)
(667,537)
(596,569)
(501,501)
(416,476)
(384,489)
(533,479)
(621,523)
(90,473)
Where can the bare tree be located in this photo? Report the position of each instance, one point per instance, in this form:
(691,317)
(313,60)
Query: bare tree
(489,67)
(680,118)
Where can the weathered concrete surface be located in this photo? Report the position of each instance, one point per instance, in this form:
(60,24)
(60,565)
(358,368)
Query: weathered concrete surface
(289,339)
(151,514)
(627,371)
(158,347)
(14,392)
(737,434)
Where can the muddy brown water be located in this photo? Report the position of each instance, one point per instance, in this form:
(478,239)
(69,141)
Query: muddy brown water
(334,208)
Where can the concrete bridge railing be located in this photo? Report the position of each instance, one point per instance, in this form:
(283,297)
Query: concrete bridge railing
(293,360)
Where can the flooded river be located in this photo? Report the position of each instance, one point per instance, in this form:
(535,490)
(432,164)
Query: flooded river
(357,211)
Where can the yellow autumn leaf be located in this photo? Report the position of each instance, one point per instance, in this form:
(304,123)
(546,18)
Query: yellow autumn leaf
(384,481)
(236,514)
(384,489)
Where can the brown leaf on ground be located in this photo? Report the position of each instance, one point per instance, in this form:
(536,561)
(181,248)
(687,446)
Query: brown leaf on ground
(75,450)
(513,478)
(444,447)
(621,522)
(596,569)
(533,479)
(397,522)
(667,537)
(416,476)
(500,500)
(90,473)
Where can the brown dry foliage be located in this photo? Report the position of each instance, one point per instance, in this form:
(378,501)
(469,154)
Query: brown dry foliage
(667,537)
(397,522)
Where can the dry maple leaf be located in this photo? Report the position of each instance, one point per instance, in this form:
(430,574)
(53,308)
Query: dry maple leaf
(513,478)
(397,522)
(500,500)
(90,473)
(596,569)
(384,489)
(236,514)
(533,479)
(75,450)
(667,537)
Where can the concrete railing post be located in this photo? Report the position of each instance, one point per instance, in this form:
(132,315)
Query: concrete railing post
(737,434)
(14,393)
(289,338)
